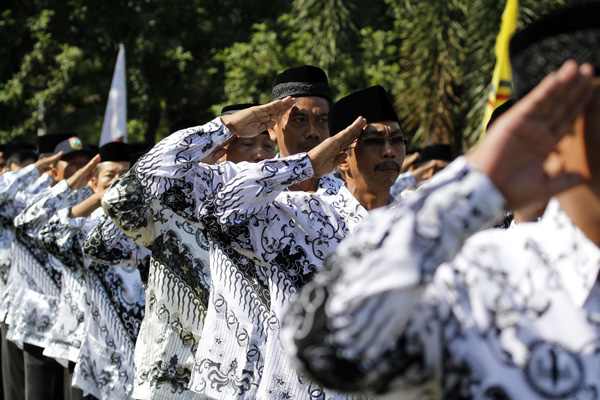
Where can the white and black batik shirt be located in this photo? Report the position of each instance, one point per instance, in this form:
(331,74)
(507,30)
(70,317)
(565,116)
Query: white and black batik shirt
(113,305)
(289,234)
(177,285)
(15,188)
(238,306)
(36,277)
(412,308)
(230,356)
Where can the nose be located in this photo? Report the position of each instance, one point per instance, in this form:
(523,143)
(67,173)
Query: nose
(259,155)
(312,129)
(388,151)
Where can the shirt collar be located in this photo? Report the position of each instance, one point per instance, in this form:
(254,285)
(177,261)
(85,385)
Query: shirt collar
(574,257)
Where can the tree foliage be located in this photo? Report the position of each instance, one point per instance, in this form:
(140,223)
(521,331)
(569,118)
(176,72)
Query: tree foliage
(189,58)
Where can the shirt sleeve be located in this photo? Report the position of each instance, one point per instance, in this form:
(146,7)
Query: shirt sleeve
(61,236)
(355,327)
(173,172)
(255,186)
(45,205)
(11,185)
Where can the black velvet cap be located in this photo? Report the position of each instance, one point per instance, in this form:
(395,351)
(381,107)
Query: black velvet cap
(372,103)
(47,143)
(233,108)
(13,148)
(571,32)
(115,151)
(438,151)
(304,81)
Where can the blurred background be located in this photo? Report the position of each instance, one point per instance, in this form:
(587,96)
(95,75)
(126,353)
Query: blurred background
(186,59)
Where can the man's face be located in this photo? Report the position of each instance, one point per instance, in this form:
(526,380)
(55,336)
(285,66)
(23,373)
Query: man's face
(302,127)
(255,149)
(16,167)
(68,165)
(376,157)
(107,173)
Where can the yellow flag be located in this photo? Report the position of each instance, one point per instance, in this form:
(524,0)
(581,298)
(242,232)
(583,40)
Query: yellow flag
(501,87)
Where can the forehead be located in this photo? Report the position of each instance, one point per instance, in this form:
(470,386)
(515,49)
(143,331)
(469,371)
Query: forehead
(113,165)
(317,105)
(382,128)
(77,157)
(260,138)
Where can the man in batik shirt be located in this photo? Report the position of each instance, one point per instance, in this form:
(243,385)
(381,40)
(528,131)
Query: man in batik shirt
(113,297)
(291,233)
(15,188)
(34,281)
(414,309)
(179,276)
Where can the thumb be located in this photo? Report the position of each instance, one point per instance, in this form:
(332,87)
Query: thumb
(351,133)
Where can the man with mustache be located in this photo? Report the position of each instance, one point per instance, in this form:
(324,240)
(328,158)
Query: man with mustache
(423,301)
(290,233)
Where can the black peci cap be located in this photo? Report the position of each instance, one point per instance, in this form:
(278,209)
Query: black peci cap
(115,151)
(571,32)
(304,81)
(372,103)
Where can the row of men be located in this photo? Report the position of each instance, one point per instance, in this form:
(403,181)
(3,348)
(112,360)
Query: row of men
(399,309)
(73,302)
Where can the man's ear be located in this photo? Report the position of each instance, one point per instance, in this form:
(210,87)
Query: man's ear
(344,166)
(94,184)
(272,134)
(54,174)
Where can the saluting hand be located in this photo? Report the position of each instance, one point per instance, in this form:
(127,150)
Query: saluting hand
(517,145)
(80,178)
(331,152)
(254,120)
(44,164)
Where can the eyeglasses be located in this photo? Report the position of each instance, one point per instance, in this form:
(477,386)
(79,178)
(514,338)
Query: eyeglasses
(376,143)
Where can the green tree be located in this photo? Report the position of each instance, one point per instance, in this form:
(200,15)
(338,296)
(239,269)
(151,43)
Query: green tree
(64,53)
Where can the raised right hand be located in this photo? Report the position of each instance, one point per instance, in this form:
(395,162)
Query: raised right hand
(81,178)
(45,164)
(515,148)
(254,120)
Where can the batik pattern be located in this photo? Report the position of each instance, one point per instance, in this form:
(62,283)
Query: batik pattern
(177,290)
(290,235)
(410,307)
(15,189)
(113,306)
(36,281)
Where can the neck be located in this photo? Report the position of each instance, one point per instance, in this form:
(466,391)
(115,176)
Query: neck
(369,198)
(310,185)
(582,205)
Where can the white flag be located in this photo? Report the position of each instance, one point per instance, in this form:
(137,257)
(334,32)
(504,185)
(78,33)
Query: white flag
(115,116)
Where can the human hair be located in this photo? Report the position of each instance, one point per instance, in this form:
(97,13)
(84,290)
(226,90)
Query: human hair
(20,156)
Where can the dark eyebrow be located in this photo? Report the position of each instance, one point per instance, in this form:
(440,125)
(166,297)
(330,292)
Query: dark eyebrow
(371,131)
(296,111)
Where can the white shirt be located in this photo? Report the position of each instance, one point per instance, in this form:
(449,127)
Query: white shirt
(178,282)
(412,308)
(35,276)
(113,305)
(289,234)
